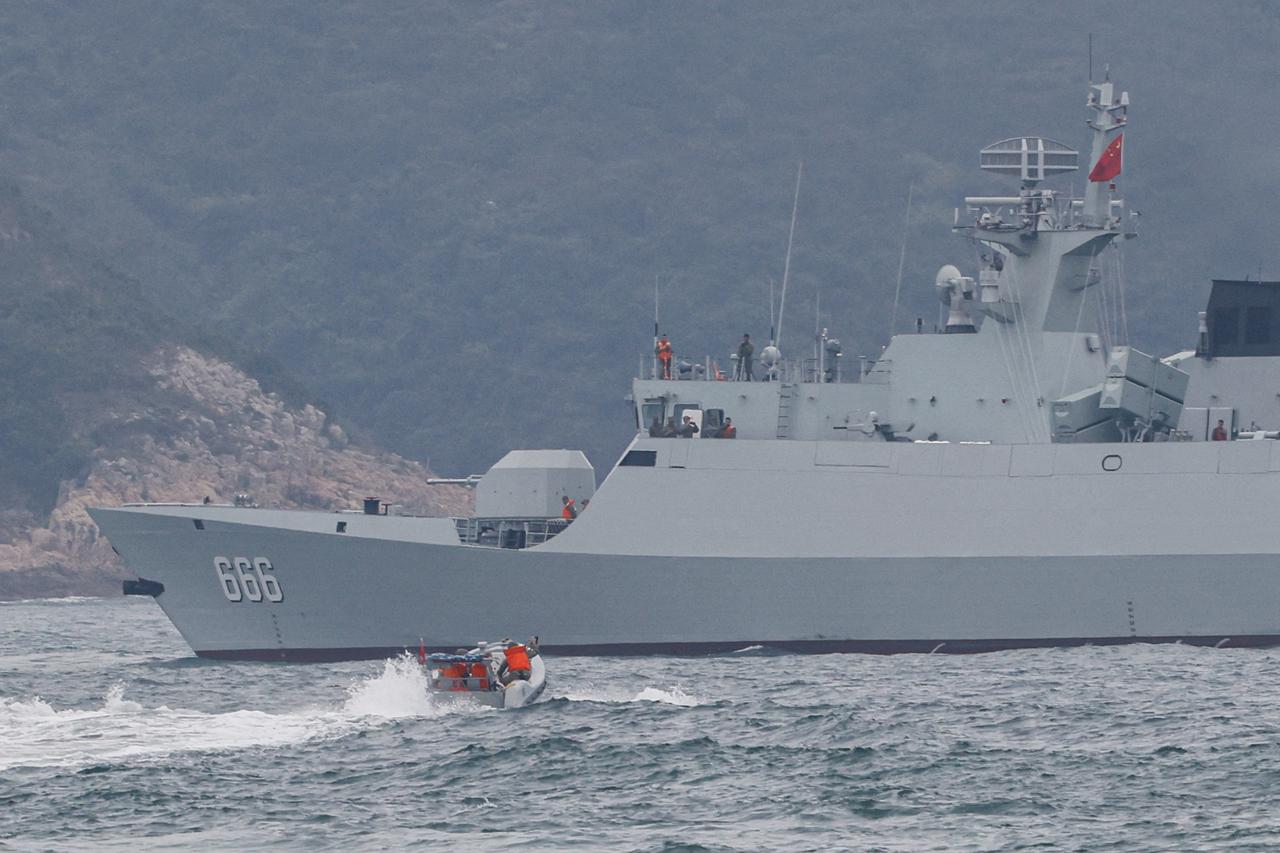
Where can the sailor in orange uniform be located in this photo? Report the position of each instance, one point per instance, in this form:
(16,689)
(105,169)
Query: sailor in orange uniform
(517,664)
(663,352)
(570,512)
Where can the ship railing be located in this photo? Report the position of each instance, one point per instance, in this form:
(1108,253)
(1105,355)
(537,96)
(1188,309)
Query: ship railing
(513,533)
(790,371)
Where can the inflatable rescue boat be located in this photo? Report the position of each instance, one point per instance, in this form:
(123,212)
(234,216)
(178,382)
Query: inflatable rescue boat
(491,674)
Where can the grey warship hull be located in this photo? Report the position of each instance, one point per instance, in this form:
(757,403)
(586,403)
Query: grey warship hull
(1021,479)
(1056,550)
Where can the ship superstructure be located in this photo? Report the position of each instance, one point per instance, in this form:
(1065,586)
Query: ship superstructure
(1003,482)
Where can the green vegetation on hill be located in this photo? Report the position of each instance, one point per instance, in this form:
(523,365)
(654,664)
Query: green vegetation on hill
(72,335)
(69,328)
(446,220)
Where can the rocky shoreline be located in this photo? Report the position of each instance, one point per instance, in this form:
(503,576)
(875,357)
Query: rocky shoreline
(203,429)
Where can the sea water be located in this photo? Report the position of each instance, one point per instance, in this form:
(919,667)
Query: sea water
(114,736)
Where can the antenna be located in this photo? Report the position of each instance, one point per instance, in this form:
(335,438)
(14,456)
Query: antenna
(1090,57)
(655,309)
(655,326)
(772,328)
(902,259)
(817,335)
(786,267)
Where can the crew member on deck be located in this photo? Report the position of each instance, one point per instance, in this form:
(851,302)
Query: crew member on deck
(746,350)
(663,352)
(728,430)
(457,673)
(1220,432)
(570,512)
(481,673)
(688,429)
(517,665)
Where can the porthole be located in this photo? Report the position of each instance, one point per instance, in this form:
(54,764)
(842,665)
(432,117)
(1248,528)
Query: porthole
(1111,462)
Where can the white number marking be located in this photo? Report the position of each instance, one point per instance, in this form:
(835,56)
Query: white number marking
(270,585)
(248,582)
(242,578)
(227,579)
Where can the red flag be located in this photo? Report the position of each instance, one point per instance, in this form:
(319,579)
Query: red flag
(1108,165)
(422,652)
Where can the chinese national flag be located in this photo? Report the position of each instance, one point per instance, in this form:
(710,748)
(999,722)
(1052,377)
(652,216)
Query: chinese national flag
(1108,165)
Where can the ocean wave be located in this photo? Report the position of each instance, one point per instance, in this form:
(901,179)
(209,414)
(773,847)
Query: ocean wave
(66,599)
(674,695)
(36,734)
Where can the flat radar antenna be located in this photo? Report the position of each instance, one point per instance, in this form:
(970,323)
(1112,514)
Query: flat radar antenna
(1031,158)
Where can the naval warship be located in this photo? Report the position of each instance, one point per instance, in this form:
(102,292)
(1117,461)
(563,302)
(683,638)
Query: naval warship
(1017,478)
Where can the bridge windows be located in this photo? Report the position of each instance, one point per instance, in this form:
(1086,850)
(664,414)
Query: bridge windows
(1257,325)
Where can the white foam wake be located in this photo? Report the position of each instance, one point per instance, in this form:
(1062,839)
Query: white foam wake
(672,696)
(35,734)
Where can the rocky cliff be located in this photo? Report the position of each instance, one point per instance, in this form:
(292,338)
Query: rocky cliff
(196,427)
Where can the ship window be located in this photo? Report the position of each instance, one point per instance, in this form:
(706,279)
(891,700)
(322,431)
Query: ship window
(1257,325)
(342,527)
(198,523)
(713,419)
(640,458)
(1225,322)
(681,408)
(652,411)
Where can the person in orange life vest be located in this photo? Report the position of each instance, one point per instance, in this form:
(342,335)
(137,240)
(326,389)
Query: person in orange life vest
(479,671)
(663,352)
(1220,432)
(517,665)
(570,512)
(456,671)
(728,430)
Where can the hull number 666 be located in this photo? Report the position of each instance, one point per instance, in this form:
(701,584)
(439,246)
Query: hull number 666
(243,579)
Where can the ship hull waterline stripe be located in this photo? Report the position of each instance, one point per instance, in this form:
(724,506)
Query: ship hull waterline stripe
(872,647)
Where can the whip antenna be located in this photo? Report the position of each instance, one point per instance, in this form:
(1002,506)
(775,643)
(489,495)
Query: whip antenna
(902,259)
(791,236)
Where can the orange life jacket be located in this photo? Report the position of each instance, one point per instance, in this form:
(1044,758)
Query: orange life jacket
(664,351)
(479,671)
(456,672)
(730,431)
(568,513)
(518,659)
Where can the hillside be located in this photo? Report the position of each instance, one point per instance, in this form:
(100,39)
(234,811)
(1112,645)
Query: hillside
(201,428)
(102,403)
(448,220)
